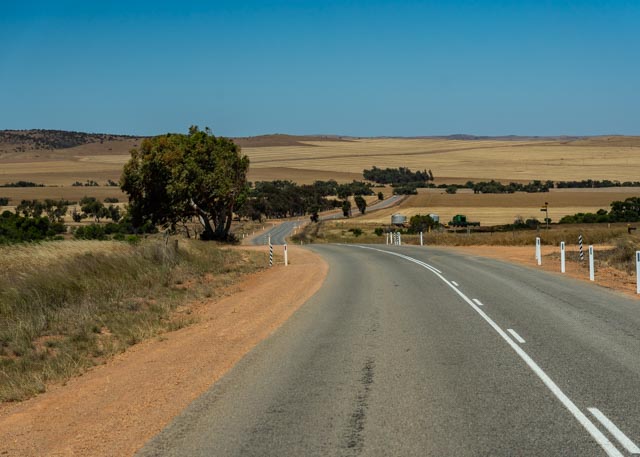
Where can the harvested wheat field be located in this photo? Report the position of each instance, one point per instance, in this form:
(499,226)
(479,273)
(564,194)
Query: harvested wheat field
(495,209)
(58,159)
(614,158)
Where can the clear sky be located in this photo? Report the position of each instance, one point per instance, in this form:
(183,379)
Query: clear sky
(361,68)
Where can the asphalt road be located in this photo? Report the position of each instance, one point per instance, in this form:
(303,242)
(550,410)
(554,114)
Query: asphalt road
(280,232)
(418,351)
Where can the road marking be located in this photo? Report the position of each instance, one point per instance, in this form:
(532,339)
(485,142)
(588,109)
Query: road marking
(589,426)
(455,283)
(618,434)
(518,338)
(477,302)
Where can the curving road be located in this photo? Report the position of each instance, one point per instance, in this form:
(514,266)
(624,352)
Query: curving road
(280,232)
(417,351)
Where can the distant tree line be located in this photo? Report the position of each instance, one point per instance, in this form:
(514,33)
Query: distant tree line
(495,187)
(397,176)
(15,228)
(21,184)
(621,211)
(590,183)
(282,198)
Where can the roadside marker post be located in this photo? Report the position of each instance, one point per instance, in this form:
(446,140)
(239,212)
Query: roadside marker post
(562,257)
(538,251)
(638,272)
(270,252)
(580,244)
(421,240)
(591,272)
(399,239)
(286,257)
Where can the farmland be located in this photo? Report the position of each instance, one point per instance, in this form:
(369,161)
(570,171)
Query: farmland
(306,159)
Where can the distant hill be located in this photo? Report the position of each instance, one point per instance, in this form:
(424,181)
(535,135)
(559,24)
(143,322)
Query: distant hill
(18,141)
(262,141)
(54,139)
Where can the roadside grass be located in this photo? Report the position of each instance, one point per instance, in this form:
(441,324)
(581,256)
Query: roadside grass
(65,306)
(343,232)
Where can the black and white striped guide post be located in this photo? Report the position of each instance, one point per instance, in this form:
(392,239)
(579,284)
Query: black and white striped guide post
(580,245)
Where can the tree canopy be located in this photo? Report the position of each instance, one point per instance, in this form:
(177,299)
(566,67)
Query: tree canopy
(174,178)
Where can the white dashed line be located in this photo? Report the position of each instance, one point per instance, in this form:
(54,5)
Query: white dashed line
(518,338)
(477,302)
(629,445)
(604,442)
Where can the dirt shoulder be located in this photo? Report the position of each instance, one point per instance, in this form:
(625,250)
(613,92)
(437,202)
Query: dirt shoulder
(113,409)
(605,276)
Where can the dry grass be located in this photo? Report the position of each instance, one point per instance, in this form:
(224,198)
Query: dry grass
(341,232)
(65,306)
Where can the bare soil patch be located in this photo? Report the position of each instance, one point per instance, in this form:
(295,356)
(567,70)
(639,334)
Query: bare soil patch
(115,408)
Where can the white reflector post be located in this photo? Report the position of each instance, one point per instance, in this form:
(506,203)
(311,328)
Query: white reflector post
(562,257)
(591,273)
(538,251)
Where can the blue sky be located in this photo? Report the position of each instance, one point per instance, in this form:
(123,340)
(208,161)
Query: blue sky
(361,68)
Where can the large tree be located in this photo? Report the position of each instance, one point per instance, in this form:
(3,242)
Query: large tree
(175,178)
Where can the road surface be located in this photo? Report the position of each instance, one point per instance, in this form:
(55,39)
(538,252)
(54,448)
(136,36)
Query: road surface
(280,232)
(409,351)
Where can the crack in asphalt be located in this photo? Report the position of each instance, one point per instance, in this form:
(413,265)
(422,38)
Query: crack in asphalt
(355,439)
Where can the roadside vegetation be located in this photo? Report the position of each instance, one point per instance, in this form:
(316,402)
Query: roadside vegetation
(66,306)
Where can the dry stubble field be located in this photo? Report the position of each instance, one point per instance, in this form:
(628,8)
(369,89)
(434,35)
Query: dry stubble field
(311,158)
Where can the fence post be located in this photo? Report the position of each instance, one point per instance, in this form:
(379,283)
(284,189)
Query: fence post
(562,257)
(538,251)
(591,272)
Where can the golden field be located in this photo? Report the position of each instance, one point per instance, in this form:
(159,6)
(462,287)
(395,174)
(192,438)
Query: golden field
(307,159)
(495,209)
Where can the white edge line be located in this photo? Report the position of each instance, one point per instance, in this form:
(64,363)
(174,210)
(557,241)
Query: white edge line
(516,336)
(455,283)
(618,434)
(477,302)
(589,426)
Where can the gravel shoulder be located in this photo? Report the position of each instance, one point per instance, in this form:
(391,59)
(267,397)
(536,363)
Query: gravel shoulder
(115,408)
(605,276)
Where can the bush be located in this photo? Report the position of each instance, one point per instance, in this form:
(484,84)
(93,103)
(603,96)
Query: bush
(378,231)
(356,231)
(111,200)
(4,201)
(15,228)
